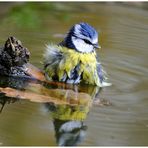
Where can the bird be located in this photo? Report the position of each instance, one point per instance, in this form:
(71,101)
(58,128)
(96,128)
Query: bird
(74,60)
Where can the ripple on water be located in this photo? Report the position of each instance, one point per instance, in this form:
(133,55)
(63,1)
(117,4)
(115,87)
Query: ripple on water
(124,36)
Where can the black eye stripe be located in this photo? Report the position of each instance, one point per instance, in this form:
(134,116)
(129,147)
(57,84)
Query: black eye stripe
(87,41)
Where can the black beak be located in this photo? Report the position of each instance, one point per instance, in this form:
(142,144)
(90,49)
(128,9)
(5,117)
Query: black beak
(96,46)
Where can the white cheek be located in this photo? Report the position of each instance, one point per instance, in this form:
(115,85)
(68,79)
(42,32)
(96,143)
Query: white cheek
(81,45)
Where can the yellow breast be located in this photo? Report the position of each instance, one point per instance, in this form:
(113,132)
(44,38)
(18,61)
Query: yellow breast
(87,61)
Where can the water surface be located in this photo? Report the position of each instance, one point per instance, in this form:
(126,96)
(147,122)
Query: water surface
(124,40)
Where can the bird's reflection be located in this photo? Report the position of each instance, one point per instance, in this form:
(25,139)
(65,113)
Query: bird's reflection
(69,133)
(69,123)
(68,120)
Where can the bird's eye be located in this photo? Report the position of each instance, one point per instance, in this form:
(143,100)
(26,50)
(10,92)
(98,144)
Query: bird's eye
(87,41)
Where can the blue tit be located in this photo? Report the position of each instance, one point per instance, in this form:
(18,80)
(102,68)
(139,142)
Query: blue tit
(74,60)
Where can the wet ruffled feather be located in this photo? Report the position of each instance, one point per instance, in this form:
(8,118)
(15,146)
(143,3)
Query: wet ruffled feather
(70,66)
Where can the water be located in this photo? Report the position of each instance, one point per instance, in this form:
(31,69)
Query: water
(123,37)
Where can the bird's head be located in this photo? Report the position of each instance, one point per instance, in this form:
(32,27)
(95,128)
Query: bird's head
(83,38)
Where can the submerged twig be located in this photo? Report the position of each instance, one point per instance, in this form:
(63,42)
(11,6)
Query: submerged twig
(53,96)
(10,92)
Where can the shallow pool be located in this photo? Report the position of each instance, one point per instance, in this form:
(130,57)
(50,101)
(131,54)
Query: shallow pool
(124,39)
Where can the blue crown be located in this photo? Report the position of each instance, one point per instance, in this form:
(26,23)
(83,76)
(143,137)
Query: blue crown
(88,30)
(84,29)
